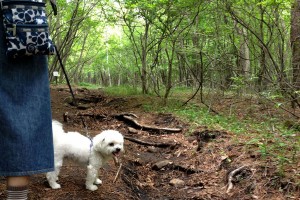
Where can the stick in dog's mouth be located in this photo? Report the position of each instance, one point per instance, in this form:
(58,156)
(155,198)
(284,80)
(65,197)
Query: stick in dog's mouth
(116,160)
(117,163)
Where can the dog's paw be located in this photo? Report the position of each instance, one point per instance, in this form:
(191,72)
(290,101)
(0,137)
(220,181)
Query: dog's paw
(98,181)
(55,186)
(91,187)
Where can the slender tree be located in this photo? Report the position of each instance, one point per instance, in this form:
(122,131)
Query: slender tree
(295,44)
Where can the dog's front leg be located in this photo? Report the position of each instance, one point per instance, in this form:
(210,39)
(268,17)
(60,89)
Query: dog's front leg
(91,178)
(98,181)
(52,177)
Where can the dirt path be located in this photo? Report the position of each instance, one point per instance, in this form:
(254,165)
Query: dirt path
(192,167)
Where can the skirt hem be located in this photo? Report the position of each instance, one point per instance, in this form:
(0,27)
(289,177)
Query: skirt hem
(26,173)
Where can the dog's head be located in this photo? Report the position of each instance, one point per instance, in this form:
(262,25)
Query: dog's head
(109,143)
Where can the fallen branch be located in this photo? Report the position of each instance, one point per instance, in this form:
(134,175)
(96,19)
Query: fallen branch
(163,145)
(147,127)
(230,178)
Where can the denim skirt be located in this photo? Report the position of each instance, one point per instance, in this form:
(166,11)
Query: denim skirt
(26,143)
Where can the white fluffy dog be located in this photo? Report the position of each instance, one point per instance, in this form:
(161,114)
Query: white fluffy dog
(92,153)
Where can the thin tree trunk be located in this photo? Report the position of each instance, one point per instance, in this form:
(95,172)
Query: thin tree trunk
(245,54)
(295,43)
(170,70)
(144,42)
(262,70)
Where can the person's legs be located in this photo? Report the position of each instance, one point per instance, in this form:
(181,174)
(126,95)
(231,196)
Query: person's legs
(17,187)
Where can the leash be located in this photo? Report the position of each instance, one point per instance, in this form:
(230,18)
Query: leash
(73,96)
(66,76)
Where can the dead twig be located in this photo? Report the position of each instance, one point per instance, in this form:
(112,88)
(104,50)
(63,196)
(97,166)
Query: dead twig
(118,172)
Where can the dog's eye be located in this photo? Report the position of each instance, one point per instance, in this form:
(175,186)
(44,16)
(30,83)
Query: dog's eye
(111,144)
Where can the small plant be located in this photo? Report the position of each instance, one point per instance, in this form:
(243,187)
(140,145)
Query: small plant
(263,148)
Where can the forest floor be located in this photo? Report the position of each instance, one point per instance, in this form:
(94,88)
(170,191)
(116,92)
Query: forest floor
(159,162)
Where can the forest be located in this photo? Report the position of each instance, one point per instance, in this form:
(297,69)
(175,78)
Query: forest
(235,63)
(239,46)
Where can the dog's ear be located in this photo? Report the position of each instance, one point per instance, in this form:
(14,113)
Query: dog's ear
(98,143)
(98,146)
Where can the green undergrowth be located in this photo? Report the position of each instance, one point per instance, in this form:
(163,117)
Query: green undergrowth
(275,143)
(269,137)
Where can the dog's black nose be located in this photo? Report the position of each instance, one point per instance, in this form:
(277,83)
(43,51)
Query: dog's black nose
(118,149)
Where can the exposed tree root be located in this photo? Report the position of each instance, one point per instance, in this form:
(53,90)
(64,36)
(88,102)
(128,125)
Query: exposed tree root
(147,127)
(231,176)
(127,117)
(163,145)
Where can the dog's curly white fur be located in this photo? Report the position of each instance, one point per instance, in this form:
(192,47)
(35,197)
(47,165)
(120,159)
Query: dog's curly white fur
(92,153)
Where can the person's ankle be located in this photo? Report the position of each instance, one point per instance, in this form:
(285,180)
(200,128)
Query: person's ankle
(17,188)
(17,181)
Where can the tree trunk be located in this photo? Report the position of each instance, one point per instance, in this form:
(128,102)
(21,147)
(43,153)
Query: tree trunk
(170,70)
(245,54)
(144,42)
(262,71)
(295,44)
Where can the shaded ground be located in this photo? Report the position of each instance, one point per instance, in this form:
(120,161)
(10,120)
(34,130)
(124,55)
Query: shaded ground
(193,167)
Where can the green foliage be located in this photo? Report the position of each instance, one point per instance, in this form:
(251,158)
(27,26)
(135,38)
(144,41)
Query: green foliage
(284,3)
(238,83)
(110,46)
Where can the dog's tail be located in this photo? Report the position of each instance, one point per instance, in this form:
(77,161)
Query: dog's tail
(57,129)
